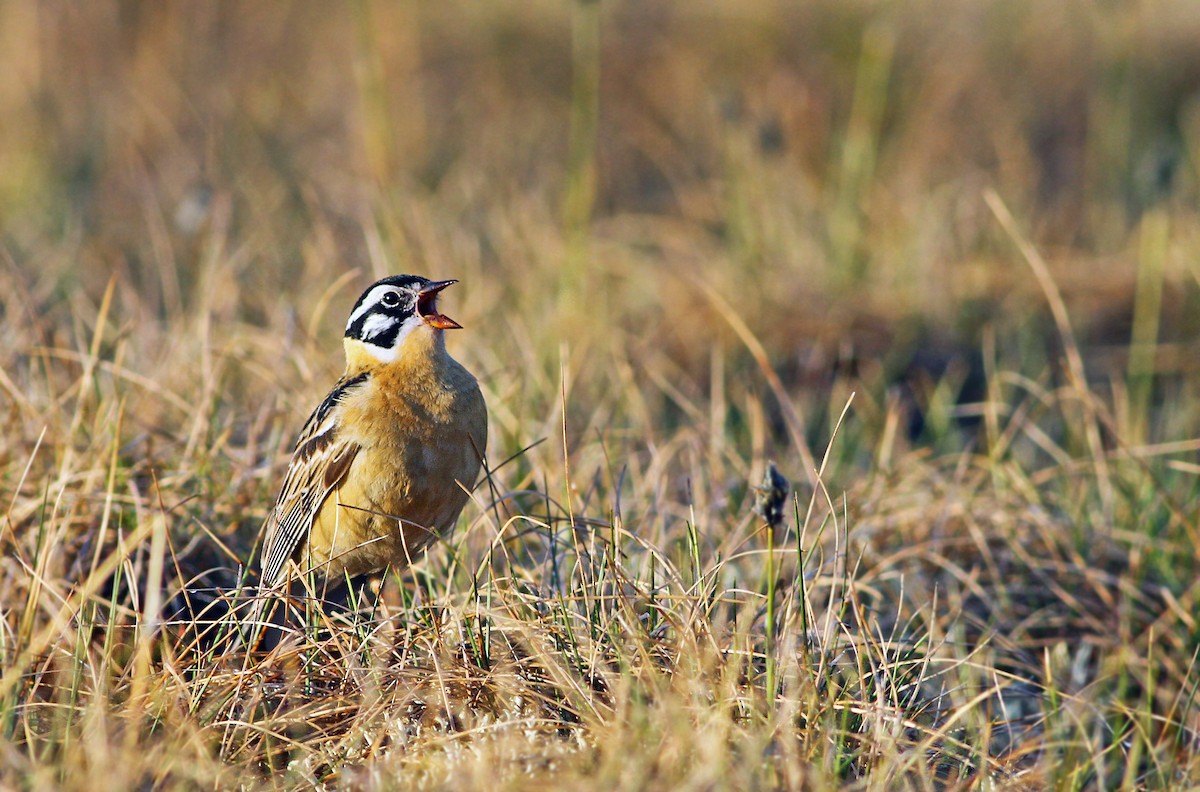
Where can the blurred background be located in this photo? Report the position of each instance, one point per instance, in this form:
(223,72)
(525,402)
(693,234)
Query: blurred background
(613,181)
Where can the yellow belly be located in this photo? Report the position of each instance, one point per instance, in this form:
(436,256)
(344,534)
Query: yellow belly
(386,513)
(420,456)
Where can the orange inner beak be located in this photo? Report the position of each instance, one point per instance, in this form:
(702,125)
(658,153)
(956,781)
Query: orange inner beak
(427,306)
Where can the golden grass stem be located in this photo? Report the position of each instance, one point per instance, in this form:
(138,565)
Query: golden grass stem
(791,413)
(1075,369)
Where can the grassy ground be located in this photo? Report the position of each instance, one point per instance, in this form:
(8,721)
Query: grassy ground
(936,260)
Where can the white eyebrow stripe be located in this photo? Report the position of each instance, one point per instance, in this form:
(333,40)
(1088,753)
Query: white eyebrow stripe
(368,303)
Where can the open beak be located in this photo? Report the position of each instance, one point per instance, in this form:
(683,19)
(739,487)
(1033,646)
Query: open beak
(427,306)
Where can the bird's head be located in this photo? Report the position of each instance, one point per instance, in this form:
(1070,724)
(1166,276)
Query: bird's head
(391,310)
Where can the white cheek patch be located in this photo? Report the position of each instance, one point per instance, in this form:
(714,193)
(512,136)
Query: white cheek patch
(389,354)
(375,325)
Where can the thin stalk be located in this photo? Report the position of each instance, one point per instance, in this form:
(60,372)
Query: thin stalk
(581,154)
(1147,312)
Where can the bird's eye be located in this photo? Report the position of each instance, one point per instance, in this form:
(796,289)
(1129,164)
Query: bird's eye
(390,299)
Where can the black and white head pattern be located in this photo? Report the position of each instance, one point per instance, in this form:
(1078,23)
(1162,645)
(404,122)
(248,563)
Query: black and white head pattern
(386,313)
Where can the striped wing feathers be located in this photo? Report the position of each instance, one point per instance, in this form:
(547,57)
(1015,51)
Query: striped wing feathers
(319,465)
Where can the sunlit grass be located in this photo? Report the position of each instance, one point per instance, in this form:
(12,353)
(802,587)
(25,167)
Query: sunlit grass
(840,257)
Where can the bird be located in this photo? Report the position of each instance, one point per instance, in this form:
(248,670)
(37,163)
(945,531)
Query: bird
(387,460)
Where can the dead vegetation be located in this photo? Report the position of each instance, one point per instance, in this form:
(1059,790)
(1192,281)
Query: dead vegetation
(957,308)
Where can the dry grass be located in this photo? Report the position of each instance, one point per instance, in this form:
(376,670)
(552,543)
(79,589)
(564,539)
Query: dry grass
(936,260)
